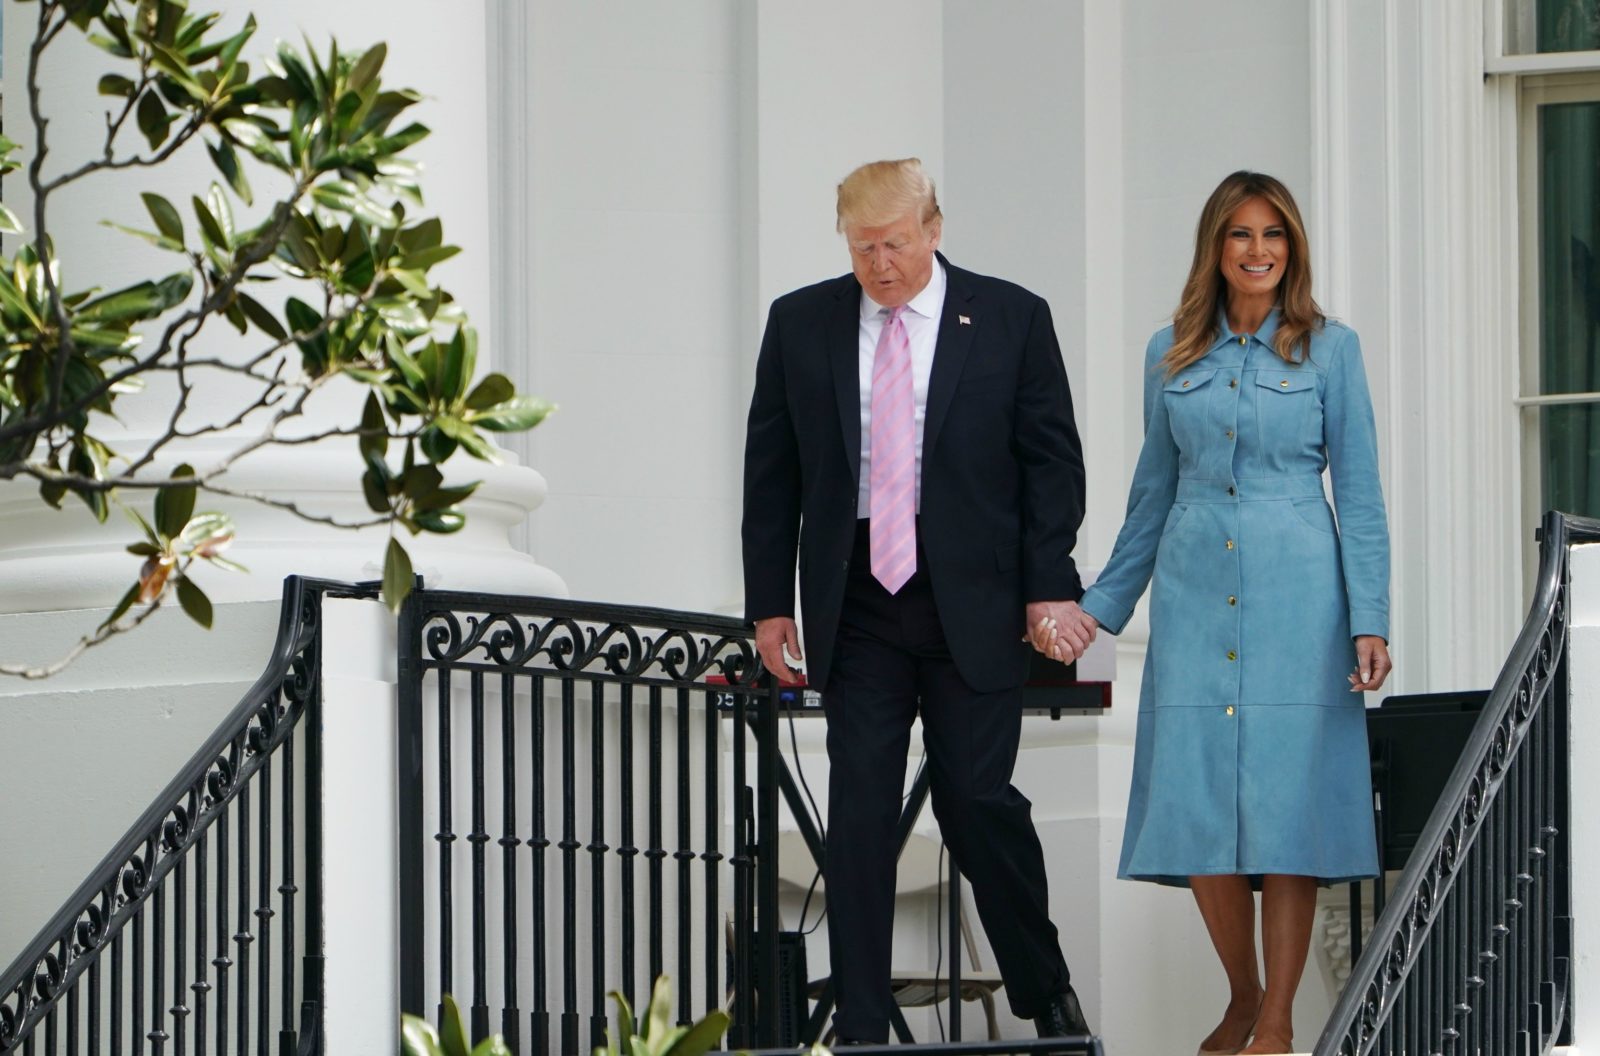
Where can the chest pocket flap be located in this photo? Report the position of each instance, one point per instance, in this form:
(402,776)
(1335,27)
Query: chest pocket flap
(1189,380)
(1290,380)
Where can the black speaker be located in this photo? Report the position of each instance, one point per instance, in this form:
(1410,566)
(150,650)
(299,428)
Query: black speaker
(1415,741)
(793,1007)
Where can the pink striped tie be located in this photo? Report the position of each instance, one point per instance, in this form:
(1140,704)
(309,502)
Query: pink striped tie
(893,483)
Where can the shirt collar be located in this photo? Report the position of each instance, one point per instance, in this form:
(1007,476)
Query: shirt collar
(1264,333)
(928,304)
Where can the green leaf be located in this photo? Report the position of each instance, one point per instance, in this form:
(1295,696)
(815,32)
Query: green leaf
(52,492)
(515,415)
(235,44)
(209,225)
(703,1036)
(143,301)
(397,579)
(122,606)
(9,222)
(374,428)
(226,159)
(440,522)
(264,320)
(423,259)
(155,238)
(12,297)
(436,444)
(217,202)
(494,1045)
(450,1029)
(143,549)
(443,498)
(303,319)
(659,1014)
(373,489)
(426,235)
(366,68)
(153,119)
(115,84)
(222,562)
(625,1024)
(492,391)
(194,602)
(168,222)
(175,504)
(417,1037)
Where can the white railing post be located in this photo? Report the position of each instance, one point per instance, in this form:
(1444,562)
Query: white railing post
(1584,675)
(359,829)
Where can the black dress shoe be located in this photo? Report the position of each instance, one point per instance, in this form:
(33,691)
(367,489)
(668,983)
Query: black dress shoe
(1062,1017)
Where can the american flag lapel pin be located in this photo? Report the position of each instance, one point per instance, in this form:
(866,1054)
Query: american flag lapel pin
(964,320)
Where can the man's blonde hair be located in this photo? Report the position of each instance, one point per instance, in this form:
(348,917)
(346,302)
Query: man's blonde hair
(881,192)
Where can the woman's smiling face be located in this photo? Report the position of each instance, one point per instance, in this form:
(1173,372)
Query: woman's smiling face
(1255,250)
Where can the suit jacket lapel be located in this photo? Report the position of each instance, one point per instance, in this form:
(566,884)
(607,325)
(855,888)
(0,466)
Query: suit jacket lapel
(950,352)
(843,338)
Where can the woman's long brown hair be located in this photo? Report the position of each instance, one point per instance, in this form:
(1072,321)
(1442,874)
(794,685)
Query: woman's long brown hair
(1194,325)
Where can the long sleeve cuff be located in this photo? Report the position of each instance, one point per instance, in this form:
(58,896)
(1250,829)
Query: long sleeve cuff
(1369,621)
(1111,613)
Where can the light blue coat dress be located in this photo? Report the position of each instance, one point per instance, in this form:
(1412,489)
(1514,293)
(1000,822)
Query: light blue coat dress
(1251,755)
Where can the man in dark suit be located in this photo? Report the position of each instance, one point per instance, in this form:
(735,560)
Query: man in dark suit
(911,438)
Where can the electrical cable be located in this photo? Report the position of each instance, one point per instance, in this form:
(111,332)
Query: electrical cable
(800,772)
(938,938)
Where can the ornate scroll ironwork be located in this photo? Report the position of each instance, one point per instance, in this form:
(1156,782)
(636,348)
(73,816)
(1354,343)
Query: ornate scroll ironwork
(1470,952)
(636,644)
(132,876)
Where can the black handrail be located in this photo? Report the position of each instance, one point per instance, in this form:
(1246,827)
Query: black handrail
(1471,950)
(116,893)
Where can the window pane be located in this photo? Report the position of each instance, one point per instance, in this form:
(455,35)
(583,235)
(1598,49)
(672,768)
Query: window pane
(1571,449)
(1551,25)
(1569,247)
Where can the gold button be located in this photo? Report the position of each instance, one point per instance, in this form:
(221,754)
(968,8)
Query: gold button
(1284,383)
(1185,385)
(1233,599)
(1228,434)
(1233,383)
(1230,709)
(1242,339)
(1230,544)
(1232,655)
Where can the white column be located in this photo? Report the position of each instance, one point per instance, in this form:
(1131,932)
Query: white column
(60,561)
(1414,236)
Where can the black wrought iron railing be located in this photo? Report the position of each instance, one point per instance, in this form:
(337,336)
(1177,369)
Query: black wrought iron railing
(201,930)
(587,799)
(1471,952)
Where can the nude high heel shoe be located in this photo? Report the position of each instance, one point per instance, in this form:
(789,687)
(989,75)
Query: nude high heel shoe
(1248,1034)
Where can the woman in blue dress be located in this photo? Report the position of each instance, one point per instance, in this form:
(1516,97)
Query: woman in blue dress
(1267,618)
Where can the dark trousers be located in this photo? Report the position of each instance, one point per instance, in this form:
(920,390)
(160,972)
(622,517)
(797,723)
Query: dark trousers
(891,659)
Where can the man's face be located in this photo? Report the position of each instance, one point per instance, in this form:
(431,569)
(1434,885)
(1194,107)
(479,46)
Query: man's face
(893,262)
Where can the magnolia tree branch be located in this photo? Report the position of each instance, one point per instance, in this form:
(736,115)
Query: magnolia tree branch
(100,636)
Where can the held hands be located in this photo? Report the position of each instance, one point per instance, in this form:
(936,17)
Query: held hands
(773,635)
(1372,663)
(1059,629)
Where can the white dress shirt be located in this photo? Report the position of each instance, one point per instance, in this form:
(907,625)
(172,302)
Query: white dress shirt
(921,319)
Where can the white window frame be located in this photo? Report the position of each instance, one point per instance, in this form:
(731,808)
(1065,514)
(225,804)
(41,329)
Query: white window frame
(1497,60)
(1532,93)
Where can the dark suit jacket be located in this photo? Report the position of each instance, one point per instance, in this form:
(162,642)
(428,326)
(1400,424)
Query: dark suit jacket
(1002,469)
